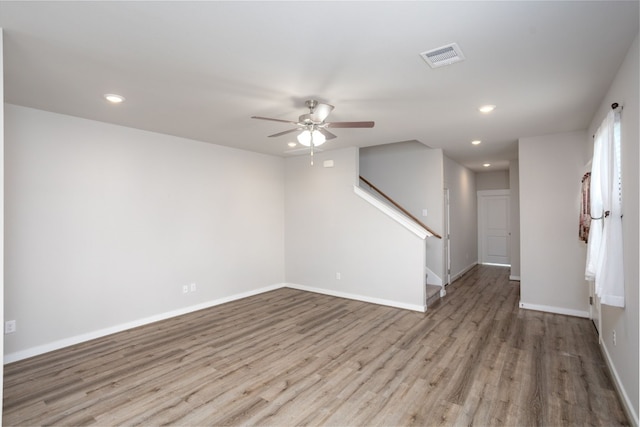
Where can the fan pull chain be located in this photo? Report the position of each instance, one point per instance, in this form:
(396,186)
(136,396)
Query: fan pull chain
(311,146)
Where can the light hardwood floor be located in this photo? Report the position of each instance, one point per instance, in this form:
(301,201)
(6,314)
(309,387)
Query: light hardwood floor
(289,357)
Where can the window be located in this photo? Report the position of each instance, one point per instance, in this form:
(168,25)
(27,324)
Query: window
(604,256)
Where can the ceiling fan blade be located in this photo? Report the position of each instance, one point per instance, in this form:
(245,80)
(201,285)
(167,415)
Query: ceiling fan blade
(284,133)
(350,124)
(321,112)
(274,120)
(328,135)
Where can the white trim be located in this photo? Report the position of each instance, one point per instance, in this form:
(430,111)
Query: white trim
(516,278)
(483,193)
(379,301)
(66,342)
(392,213)
(556,310)
(432,278)
(446,238)
(495,264)
(626,402)
(462,273)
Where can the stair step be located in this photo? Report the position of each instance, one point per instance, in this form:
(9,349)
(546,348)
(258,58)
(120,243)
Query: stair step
(433,290)
(433,295)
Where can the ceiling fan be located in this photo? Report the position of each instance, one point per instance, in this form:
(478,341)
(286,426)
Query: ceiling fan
(313,127)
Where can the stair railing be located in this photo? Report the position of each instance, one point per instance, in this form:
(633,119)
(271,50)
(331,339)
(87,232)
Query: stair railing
(403,210)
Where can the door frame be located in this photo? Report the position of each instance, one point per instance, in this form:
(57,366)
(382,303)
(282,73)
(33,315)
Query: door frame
(481,195)
(447,238)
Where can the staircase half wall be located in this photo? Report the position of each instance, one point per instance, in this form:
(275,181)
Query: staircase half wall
(338,243)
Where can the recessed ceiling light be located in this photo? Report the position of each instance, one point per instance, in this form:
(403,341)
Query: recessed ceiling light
(487,108)
(292,144)
(486,165)
(113,98)
(476,142)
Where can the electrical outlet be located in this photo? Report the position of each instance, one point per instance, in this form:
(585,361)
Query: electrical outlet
(193,287)
(614,337)
(185,289)
(9,326)
(338,276)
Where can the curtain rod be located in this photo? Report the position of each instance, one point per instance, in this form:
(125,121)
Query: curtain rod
(613,107)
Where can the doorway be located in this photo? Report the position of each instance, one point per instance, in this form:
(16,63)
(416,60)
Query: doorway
(493,227)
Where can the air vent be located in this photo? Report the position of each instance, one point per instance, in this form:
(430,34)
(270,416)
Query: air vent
(445,55)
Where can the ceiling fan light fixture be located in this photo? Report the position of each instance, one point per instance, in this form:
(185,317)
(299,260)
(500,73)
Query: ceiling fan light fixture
(304,138)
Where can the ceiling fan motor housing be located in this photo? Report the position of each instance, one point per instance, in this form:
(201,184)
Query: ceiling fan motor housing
(314,121)
(306,119)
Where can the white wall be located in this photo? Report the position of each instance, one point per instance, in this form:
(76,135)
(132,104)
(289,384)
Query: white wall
(494,180)
(623,357)
(514,198)
(463,204)
(1,210)
(329,230)
(105,224)
(552,256)
(412,175)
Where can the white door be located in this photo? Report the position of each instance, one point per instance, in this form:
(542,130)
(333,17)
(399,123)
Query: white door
(493,227)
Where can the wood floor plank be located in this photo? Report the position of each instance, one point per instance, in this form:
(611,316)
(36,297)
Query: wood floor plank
(289,357)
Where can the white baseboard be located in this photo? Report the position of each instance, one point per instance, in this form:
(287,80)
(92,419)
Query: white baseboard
(516,278)
(464,270)
(66,342)
(379,301)
(555,310)
(626,402)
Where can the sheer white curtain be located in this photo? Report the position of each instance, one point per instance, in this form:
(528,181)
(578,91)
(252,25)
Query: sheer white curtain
(604,253)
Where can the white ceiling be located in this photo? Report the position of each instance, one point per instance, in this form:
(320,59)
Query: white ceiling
(200,70)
